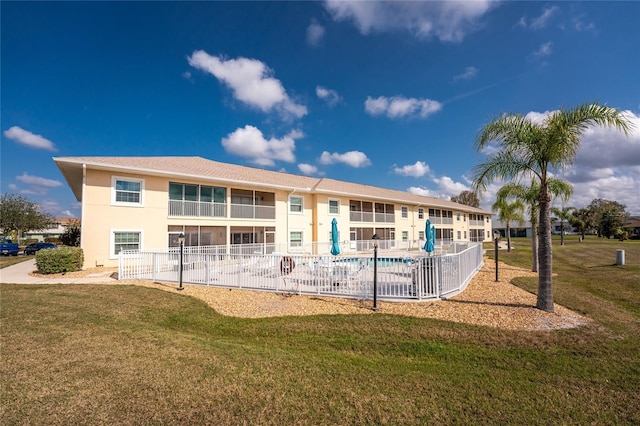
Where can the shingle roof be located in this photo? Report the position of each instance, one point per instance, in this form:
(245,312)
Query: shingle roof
(203,169)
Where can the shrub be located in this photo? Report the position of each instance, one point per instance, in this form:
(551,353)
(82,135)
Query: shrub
(62,259)
(54,240)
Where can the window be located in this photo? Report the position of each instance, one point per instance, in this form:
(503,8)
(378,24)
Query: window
(421,235)
(186,192)
(420,213)
(459,234)
(405,212)
(465,235)
(334,206)
(405,235)
(295,204)
(125,240)
(295,239)
(127,191)
(458,219)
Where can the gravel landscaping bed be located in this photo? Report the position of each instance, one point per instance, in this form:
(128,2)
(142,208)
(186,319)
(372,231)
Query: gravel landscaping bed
(484,302)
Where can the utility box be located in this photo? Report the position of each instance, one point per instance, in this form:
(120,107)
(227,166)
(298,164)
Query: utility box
(619,257)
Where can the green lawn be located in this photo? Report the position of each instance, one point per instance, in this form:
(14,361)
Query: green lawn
(12,260)
(132,355)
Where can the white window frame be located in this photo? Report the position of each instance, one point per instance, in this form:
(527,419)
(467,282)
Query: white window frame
(405,235)
(404,212)
(420,213)
(459,235)
(329,206)
(421,235)
(301,204)
(301,239)
(114,179)
(112,240)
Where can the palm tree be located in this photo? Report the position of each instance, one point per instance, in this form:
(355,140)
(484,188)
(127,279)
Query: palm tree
(582,220)
(529,196)
(509,212)
(564,214)
(535,149)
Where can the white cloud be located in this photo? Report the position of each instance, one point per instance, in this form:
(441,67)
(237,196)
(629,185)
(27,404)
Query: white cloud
(446,188)
(309,169)
(250,143)
(419,190)
(251,82)
(315,33)
(67,213)
(12,186)
(355,159)
(38,181)
(398,106)
(448,21)
(542,20)
(416,170)
(607,166)
(331,97)
(544,50)
(29,139)
(467,74)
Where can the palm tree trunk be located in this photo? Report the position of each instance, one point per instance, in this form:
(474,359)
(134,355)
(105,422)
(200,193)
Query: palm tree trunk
(508,238)
(534,245)
(561,232)
(545,286)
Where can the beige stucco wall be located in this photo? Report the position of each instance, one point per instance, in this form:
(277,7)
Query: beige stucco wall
(100,217)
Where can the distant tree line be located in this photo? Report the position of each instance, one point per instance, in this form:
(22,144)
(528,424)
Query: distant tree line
(19,214)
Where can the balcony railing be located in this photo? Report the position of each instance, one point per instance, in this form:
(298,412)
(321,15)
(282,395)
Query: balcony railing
(250,211)
(441,220)
(197,209)
(370,217)
(476,223)
(385,217)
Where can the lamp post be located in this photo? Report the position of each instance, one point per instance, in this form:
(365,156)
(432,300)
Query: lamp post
(375,239)
(181,241)
(496,236)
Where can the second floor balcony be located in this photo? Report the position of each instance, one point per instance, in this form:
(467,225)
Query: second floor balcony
(219,210)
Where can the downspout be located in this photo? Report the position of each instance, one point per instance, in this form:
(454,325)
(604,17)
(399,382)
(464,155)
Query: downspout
(82,206)
(413,224)
(288,212)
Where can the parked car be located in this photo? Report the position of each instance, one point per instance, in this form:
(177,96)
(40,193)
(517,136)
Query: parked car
(8,247)
(34,247)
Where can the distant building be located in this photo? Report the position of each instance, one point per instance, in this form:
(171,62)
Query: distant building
(632,226)
(56,229)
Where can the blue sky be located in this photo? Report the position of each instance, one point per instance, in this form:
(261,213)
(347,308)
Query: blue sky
(385,94)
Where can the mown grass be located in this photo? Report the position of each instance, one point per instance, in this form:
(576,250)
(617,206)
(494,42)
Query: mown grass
(132,355)
(12,260)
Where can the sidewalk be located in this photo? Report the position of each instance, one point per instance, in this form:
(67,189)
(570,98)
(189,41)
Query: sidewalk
(19,274)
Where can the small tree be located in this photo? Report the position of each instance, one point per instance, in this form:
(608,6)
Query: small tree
(582,220)
(19,214)
(507,213)
(608,216)
(468,198)
(564,214)
(71,235)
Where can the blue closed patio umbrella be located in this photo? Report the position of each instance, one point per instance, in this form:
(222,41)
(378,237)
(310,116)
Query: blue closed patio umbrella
(335,245)
(430,235)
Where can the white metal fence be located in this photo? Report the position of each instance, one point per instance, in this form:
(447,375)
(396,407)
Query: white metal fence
(399,277)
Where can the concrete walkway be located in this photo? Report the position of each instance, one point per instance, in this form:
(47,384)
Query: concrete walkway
(19,274)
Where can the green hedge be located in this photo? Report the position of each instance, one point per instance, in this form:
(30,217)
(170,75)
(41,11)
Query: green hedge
(61,259)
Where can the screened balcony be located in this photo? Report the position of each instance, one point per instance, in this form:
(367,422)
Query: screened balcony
(247,204)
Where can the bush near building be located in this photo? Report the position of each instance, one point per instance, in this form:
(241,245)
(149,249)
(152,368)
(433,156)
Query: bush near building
(62,259)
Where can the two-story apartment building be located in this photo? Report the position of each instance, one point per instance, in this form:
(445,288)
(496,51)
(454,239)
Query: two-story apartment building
(146,202)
